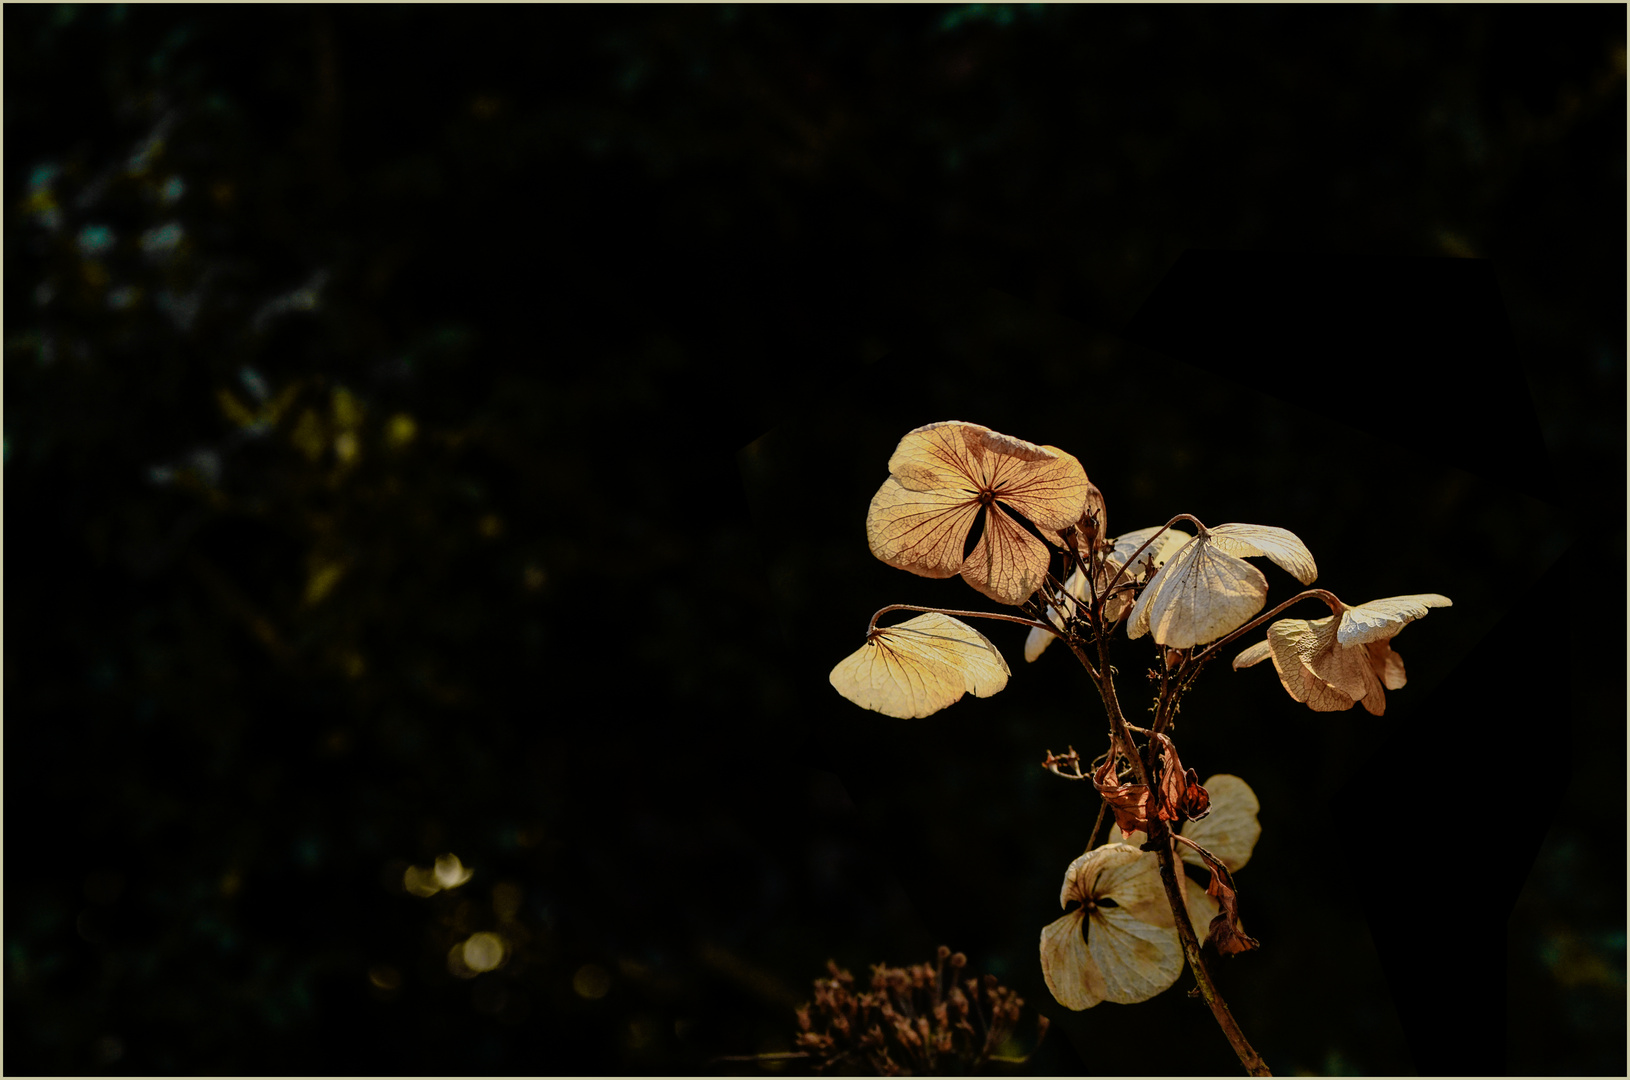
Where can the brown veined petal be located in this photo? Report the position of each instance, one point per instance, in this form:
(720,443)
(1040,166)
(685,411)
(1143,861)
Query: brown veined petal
(1007,564)
(1046,485)
(1198,596)
(920,531)
(1380,619)
(944,456)
(1067,966)
(1282,546)
(920,666)
(1136,960)
(1231,830)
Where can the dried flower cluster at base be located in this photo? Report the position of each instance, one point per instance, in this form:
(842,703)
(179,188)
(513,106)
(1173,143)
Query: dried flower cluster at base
(934,1019)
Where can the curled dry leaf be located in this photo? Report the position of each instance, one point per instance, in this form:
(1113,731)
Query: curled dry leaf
(1075,586)
(920,666)
(945,478)
(1332,663)
(1207,589)
(1121,944)
(1179,794)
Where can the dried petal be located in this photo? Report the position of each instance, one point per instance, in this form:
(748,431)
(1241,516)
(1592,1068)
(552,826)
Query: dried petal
(920,666)
(1130,952)
(1200,594)
(943,475)
(1282,546)
(1231,830)
(1381,619)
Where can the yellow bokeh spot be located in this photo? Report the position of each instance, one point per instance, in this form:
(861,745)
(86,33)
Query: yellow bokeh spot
(233,409)
(491,526)
(533,577)
(420,881)
(347,410)
(483,951)
(346,447)
(384,977)
(94,274)
(592,982)
(450,873)
(308,437)
(324,576)
(400,431)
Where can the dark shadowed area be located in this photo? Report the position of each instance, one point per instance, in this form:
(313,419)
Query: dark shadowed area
(438,445)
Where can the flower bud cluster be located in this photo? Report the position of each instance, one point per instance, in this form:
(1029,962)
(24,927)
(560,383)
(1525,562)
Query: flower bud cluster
(927,1018)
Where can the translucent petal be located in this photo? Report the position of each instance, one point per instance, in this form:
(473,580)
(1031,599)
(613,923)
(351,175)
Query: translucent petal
(1231,830)
(1067,966)
(920,666)
(1381,619)
(920,531)
(1254,655)
(1007,564)
(1282,546)
(1291,642)
(1134,959)
(1198,596)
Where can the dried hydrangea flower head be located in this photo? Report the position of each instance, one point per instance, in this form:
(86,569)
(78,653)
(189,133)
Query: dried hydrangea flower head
(1207,589)
(1333,663)
(920,666)
(1121,944)
(946,478)
(933,1019)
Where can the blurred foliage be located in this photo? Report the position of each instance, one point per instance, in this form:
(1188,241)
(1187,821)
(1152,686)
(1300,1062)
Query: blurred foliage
(374,379)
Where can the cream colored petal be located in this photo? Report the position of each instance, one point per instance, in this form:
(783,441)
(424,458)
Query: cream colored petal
(1135,959)
(949,455)
(1133,883)
(1067,966)
(920,666)
(1280,545)
(1388,665)
(1198,596)
(1254,655)
(1291,642)
(1380,619)
(1085,871)
(1231,830)
(1007,564)
(1202,908)
(920,531)
(1345,668)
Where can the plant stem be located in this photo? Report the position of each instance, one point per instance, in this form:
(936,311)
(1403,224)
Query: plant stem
(1172,880)
(1021,620)
(1169,877)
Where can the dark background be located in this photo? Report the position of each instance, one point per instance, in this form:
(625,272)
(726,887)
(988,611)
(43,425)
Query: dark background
(436,430)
